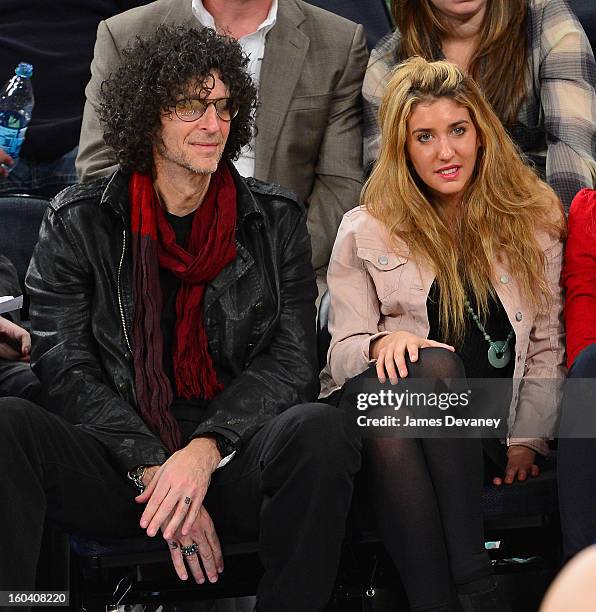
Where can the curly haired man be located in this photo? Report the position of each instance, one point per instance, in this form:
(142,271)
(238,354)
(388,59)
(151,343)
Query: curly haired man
(308,65)
(172,309)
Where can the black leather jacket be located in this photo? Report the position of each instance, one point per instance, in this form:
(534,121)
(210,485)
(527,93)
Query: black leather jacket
(259,316)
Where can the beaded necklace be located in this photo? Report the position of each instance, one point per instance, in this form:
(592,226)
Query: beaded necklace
(499,353)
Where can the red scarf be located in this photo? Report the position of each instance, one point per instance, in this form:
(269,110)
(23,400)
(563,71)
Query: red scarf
(211,246)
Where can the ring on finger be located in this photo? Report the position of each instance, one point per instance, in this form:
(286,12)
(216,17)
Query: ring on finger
(190,550)
(187,501)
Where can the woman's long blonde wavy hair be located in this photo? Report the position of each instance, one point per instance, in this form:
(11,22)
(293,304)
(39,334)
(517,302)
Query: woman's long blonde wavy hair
(503,206)
(499,64)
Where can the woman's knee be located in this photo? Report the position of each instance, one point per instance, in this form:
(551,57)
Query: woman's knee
(436,362)
(432,362)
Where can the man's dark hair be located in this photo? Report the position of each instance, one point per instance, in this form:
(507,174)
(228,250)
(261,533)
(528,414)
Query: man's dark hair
(155,72)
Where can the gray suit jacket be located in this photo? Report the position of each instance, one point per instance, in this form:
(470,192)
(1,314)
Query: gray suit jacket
(309,119)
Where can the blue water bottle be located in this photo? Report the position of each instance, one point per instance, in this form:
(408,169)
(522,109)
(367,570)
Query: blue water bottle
(16,104)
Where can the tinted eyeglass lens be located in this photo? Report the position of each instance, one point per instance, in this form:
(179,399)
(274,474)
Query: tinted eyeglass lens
(193,109)
(223,108)
(189,110)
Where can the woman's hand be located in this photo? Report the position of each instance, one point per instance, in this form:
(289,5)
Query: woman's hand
(520,465)
(390,351)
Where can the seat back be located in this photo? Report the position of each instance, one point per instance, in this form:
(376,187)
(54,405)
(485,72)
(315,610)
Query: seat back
(372,14)
(20,218)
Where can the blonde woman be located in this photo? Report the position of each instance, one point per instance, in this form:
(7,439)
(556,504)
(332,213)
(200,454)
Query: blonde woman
(449,268)
(531,59)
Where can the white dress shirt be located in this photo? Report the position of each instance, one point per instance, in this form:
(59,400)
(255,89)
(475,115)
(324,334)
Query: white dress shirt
(254,46)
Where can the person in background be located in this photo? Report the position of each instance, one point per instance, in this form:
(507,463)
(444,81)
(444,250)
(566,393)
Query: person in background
(448,270)
(308,65)
(57,38)
(16,377)
(533,62)
(576,457)
(574,588)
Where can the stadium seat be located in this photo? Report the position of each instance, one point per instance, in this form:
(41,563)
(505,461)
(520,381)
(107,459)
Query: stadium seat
(21,217)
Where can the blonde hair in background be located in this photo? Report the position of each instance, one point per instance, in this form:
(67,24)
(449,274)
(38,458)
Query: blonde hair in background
(499,64)
(502,207)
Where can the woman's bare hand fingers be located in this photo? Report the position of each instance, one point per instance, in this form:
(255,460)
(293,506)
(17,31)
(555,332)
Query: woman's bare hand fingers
(390,351)
(399,356)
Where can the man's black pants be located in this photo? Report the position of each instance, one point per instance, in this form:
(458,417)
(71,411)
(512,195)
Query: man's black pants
(290,487)
(18,380)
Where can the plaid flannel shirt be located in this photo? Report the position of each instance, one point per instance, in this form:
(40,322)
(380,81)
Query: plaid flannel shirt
(556,126)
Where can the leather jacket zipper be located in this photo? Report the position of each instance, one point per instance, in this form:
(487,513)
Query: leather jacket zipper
(119,293)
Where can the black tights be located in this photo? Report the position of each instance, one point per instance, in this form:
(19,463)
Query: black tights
(426,495)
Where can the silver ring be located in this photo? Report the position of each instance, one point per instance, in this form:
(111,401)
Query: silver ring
(192,549)
(187,501)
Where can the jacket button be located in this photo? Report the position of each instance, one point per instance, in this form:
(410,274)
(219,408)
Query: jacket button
(128,355)
(123,387)
(259,307)
(504,279)
(383,260)
(250,346)
(518,316)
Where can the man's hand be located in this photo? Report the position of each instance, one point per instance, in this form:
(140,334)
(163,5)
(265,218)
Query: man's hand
(149,473)
(177,489)
(6,162)
(15,342)
(520,465)
(202,533)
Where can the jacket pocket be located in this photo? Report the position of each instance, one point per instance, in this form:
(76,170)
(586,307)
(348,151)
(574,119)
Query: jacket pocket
(310,102)
(384,267)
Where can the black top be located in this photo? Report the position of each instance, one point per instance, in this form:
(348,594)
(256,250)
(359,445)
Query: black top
(474,348)
(58,39)
(187,412)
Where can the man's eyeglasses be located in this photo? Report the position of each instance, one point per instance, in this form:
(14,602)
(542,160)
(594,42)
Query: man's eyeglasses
(191,109)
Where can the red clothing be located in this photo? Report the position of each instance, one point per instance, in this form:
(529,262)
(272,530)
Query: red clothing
(579,274)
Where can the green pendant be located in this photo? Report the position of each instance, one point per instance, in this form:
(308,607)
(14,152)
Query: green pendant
(499,354)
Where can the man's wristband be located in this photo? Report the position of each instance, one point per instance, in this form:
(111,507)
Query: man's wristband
(224,445)
(136,476)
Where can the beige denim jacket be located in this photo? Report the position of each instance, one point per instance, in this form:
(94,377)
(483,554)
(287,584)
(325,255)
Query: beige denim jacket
(376,289)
